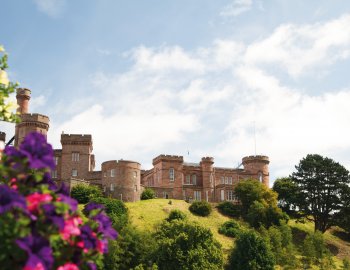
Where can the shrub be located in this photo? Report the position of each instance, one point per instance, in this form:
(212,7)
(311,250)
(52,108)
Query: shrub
(148,194)
(176,214)
(184,245)
(116,210)
(251,252)
(84,193)
(230,228)
(229,209)
(200,208)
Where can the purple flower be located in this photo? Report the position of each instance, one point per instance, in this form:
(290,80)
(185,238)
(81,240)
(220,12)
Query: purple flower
(52,216)
(92,266)
(38,151)
(92,206)
(15,158)
(68,200)
(63,189)
(10,198)
(105,226)
(90,241)
(38,250)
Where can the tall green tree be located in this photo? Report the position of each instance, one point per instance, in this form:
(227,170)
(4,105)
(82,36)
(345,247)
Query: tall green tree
(321,183)
(287,192)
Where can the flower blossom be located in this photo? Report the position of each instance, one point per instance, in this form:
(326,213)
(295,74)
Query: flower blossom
(68,266)
(71,227)
(33,201)
(10,198)
(3,78)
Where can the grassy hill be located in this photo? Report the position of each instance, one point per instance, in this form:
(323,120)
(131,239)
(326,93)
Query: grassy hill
(145,215)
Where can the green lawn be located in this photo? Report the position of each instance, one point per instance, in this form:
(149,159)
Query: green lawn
(146,214)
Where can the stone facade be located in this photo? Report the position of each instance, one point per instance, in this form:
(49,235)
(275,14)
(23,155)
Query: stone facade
(171,177)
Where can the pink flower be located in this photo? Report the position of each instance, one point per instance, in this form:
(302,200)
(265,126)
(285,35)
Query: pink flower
(39,266)
(71,227)
(33,200)
(68,266)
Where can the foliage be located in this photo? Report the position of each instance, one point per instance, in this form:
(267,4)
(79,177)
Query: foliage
(6,88)
(230,228)
(287,191)
(184,245)
(229,209)
(316,252)
(176,215)
(260,214)
(346,264)
(252,190)
(148,194)
(116,210)
(321,183)
(84,193)
(133,249)
(251,253)
(200,208)
(40,225)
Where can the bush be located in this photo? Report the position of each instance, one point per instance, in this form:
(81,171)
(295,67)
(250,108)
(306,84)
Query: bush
(184,245)
(176,214)
(116,210)
(200,208)
(230,228)
(148,194)
(84,193)
(251,252)
(229,209)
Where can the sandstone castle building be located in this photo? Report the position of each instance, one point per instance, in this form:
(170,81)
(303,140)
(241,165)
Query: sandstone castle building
(171,177)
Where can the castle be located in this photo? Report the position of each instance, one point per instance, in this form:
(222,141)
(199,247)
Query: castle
(171,177)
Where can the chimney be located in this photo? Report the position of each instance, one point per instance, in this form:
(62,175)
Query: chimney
(23,97)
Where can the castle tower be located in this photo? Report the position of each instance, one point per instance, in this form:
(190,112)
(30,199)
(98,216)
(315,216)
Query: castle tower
(257,167)
(121,179)
(208,178)
(29,122)
(76,158)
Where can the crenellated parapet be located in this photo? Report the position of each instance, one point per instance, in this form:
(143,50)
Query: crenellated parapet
(257,158)
(76,139)
(168,158)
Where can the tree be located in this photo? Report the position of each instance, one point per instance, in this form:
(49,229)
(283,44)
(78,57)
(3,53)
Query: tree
(84,193)
(287,191)
(183,245)
(251,253)
(321,183)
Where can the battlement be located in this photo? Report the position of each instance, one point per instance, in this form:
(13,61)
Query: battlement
(172,158)
(34,117)
(120,162)
(257,158)
(23,92)
(208,159)
(2,136)
(76,139)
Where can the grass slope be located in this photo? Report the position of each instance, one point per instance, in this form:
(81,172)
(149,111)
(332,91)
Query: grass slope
(146,214)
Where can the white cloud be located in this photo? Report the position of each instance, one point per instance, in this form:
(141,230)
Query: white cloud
(236,8)
(300,48)
(52,8)
(37,102)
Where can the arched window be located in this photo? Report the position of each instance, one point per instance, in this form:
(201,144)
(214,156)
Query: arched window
(260,176)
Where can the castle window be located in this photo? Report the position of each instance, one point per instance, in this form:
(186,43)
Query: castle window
(74,172)
(104,188)
(188,179)
(171,174)
(222,180)
(104,174)
(260,176)
(112,172)
(226,180)
(230,195)
(194,179)
(135,174)
(230,180)
(197,195)
(112,187)
(75,156)
(135,189)
(211,178)
(54,174)
(56,160)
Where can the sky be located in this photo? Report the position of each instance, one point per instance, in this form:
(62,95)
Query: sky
(223,78)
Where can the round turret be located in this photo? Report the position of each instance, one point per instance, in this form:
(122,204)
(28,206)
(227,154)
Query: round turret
(23,97)
(257,167)
(121,179)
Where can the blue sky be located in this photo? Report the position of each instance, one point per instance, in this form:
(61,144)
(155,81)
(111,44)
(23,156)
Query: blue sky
(153,77)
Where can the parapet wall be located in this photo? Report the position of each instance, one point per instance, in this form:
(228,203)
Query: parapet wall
(76,139)
(172,158)
(258,158)
(34,117)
